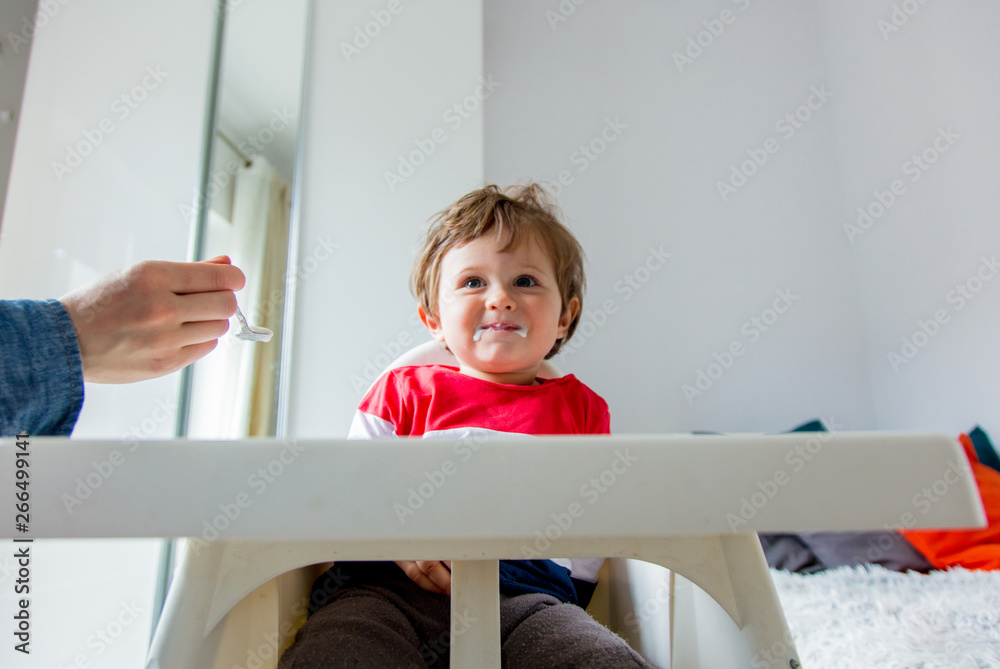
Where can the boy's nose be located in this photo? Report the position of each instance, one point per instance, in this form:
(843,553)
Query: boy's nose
(499,299)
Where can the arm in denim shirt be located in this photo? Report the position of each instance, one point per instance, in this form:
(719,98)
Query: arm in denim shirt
(41,374)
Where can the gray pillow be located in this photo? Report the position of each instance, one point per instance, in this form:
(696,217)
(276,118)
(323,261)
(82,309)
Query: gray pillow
(888,549)
(811,552)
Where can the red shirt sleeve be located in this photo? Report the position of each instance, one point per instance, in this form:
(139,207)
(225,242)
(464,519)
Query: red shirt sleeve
(387,400)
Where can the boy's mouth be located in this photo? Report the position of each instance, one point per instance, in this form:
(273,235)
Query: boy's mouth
(500,327)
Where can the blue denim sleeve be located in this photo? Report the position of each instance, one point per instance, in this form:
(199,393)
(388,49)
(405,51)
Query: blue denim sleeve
(41,374)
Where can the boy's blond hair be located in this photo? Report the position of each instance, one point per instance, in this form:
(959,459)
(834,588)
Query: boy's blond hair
(513,215)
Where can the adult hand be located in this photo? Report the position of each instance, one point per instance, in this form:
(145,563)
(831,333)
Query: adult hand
(431,575)
(152,318)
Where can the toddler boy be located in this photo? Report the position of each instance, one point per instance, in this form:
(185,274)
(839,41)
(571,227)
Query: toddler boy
(500,281)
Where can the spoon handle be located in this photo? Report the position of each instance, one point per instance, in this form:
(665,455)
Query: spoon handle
(241,318)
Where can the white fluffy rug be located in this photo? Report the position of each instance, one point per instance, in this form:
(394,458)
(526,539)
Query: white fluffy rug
(871,617)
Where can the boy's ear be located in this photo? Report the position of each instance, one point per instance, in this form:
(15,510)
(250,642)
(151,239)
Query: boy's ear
(569,313)
(432,325)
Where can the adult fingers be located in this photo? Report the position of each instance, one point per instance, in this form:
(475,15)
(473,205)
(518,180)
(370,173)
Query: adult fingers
(202,331)
(149,367)
(215,306)
(168,351)
(195,277)
(194,352)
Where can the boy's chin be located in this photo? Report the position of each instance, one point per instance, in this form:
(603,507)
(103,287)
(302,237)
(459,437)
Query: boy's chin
(498,367)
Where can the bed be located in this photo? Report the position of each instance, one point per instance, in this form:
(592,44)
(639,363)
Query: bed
(898,598)
(870,616)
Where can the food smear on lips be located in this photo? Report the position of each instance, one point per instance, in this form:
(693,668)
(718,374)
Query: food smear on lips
(500,327)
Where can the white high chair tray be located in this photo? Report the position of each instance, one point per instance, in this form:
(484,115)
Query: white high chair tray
(688,503)
(500,490)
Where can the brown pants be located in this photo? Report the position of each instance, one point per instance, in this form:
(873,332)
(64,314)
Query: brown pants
(380,618)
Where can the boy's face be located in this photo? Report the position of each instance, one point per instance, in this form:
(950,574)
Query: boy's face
(499,313)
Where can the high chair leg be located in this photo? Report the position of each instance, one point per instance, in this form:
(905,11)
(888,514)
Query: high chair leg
(732,578)
(475,614)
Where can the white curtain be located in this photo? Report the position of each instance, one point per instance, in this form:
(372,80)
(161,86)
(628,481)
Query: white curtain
(234,393)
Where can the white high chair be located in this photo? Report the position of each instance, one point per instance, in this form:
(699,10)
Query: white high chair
(274,609)
(236,603)
(334,499)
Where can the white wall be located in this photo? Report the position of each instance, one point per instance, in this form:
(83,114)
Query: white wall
(655,186)
(567,73)
(353,306)
(119,205)
(688,123)
(938,70)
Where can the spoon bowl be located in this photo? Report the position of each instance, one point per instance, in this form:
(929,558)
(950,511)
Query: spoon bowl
(249,332)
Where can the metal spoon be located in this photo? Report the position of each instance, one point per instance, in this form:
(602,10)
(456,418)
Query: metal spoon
(249,332)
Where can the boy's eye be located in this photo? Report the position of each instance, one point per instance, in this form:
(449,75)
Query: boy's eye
(473,283)
(524,282)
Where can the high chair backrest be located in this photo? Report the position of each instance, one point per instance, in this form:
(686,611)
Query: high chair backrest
(434,353)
